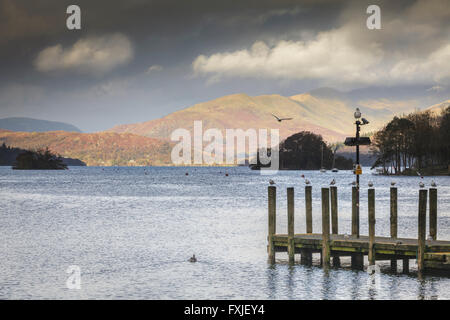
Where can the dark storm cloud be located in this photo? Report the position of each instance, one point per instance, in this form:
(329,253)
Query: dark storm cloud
(149,48)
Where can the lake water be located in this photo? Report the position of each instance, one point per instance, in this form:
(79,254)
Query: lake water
(132,230)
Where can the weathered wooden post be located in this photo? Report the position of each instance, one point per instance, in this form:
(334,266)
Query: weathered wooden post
(355,212)
(334,221)
(422,229)
(308,205)
(393,220)
(433,213)
(357,257)
(371,193)
(272,195)
(405,265)
(290,209)
(325,227)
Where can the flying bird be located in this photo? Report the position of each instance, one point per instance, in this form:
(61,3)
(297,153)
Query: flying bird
(281,119)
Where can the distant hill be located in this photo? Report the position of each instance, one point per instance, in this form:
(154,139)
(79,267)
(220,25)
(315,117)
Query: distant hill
(35,125)
(95,149)
(323,111)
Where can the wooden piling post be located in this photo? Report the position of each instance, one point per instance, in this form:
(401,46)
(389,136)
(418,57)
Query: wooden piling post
(393,220)
(290,209)
(334,221)
(308,205)
(355,212)
(433,213)
(371,194)
(334,210)
(272,192)
(325,227)
(422,229)
(405,265)
(305,257)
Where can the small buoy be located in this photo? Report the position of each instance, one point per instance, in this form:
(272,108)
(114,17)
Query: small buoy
(226,174)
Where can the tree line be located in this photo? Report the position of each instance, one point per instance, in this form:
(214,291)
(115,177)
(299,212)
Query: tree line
(415,143)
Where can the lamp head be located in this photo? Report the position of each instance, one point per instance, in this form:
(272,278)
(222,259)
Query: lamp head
(364,121)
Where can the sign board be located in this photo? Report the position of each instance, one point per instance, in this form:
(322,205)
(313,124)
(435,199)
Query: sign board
(358,169)
(351,141)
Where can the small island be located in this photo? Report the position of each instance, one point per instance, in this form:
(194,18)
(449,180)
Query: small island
(307,151)
(39,160)
(44,159)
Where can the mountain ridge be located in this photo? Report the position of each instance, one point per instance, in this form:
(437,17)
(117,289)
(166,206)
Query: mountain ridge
(24,124)
(324,111)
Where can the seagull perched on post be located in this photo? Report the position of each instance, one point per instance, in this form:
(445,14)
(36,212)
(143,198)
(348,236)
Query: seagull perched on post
(370,184)
(393,183)
(333,182)
(433,183)
(307,181)
(271,182)
(281,119)
(421,184)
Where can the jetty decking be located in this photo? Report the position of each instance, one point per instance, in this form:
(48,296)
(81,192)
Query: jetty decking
(430,254)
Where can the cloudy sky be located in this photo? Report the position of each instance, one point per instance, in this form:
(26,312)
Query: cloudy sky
(137,60)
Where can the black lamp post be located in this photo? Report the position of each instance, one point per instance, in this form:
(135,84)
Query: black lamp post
(357,115)
(357,141)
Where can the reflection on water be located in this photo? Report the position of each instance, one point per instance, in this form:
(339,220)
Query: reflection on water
(132,233)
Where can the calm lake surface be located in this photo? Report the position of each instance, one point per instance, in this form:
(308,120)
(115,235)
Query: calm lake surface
(131,234)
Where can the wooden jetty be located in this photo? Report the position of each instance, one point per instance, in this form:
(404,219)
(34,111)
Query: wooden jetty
(430,254)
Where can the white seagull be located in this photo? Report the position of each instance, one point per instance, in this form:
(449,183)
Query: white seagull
(421,184)
(271,182)
(393,183)
(370,184)
(433,183)
(281,119)
(307,181)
